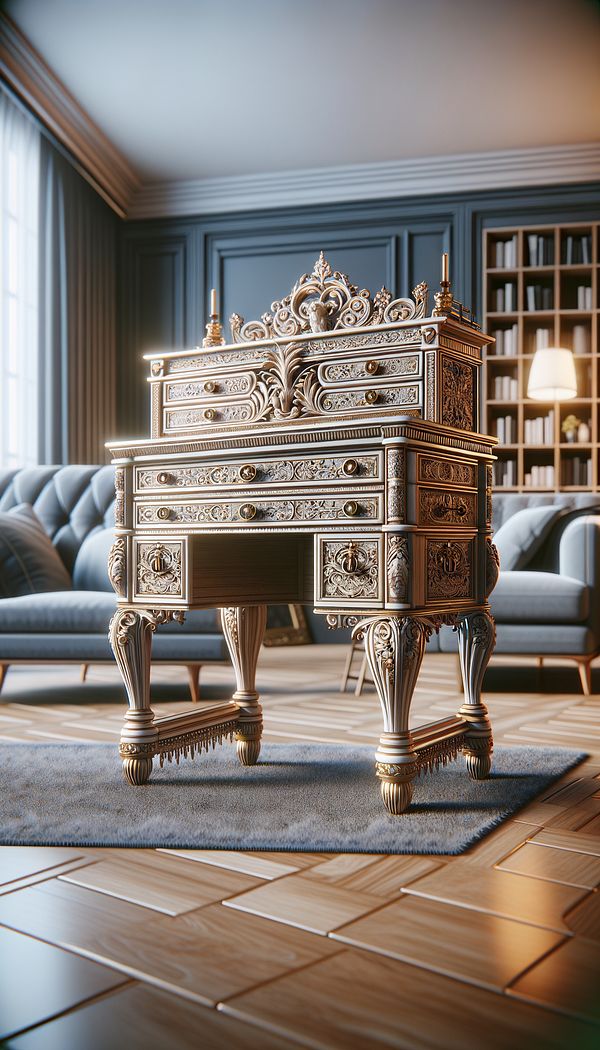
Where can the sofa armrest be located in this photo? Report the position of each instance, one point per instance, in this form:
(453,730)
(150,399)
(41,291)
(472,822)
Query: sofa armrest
(579,551)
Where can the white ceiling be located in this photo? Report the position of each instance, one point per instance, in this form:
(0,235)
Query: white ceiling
(188,89)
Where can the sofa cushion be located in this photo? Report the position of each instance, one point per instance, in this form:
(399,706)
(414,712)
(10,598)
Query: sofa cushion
(28,561)
(83,612)
(521,536)
(90,572)
(538,598)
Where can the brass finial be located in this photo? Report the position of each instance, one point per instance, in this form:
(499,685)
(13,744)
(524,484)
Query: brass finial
(214,330)
(444,299)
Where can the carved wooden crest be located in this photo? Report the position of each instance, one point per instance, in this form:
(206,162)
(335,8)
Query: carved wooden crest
(325,300)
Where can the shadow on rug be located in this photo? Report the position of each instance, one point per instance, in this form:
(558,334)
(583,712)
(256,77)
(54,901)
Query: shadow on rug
(304,797)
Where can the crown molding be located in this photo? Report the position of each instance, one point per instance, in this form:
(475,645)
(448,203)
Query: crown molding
(404,178)
(28,76)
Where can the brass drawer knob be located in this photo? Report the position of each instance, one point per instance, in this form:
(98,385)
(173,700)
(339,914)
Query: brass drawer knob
(348,559)
(372,367)
(163,513)
(247,472)
(371,397)
(247,511)
(164,478)
(350,467)
(210,387)
(209,414)
(351,508)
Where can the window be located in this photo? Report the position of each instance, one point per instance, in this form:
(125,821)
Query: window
(19,202)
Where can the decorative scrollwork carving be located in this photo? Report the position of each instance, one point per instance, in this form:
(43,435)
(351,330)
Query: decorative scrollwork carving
(457,394)
(117,566)
(449,569)
(325,300)
(492,567)
(397,568)
(351,570)
(159,568)
(447,472)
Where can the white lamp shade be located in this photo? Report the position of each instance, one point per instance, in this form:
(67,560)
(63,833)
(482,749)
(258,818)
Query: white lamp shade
(552,376)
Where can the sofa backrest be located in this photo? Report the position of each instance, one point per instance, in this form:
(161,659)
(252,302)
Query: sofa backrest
(71,502)
(574,504)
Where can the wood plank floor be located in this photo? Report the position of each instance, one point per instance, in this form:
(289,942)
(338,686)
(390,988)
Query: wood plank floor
(498,948)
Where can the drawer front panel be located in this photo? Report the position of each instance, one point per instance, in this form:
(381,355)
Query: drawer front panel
(367,369)
(447,471)
(450,569)
(263,510)
(437,507)
(407,395)
(184,419)
(210,387)
(159,568)
(349,571)
(295,470)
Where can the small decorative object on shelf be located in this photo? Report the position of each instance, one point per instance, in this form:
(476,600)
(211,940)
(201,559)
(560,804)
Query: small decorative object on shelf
(341,462)
(570,426)
(583,433)
(550,298)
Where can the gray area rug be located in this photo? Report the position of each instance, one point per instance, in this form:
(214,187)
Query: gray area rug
(305,797)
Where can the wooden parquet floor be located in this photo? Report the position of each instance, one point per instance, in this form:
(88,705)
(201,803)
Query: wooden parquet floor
(497,948)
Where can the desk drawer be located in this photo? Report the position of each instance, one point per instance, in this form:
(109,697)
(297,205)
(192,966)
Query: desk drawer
(370,369)
(209,388)
(257,472)
(349,571)
(271,511)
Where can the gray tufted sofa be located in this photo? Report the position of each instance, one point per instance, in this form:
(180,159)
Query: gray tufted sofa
(552,607)
(75,504)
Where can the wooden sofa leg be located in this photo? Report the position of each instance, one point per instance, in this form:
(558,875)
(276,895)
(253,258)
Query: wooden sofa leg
(84,671)
(3,669)
(585,674)
(193,671)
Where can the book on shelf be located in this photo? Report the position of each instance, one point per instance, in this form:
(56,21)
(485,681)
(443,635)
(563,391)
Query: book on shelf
(577,249)
(584,297)
(538,297)
(506,429)
(506,388)
(541,249)
(505,254)
(542,338)
(581,339)
(540,430)
(505,473)
(540,476)
(577,470)
(507,341)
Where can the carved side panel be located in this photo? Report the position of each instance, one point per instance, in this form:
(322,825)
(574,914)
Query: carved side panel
(117,566)
(396,485)
(159,569)
(430,391)
(457,394)
(489,482)
(449,569)
(437,507)
(397,568)
(119,496)
(350,570)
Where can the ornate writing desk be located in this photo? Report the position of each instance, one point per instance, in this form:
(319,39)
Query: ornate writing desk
(330,455)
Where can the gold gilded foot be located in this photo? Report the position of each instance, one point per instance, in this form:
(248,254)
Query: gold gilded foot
(397,795)
(137,770)
(248,745)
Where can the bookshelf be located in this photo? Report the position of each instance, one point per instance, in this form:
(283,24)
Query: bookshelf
(541,286)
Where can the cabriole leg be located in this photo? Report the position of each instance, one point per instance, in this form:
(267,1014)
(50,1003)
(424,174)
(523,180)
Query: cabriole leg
(394,648)
(244,628)
(476,639)
(130,635)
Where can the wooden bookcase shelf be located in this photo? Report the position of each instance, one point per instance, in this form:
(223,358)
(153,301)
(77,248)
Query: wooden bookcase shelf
(542,288)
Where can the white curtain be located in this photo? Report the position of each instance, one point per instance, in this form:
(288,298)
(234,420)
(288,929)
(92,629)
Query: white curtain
(19,265)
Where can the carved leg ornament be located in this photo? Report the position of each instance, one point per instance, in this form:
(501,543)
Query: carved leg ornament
(476,639)
(244,628)
(130,634)
(394,647)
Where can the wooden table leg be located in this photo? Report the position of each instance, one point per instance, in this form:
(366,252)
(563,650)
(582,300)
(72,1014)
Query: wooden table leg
(476,638)
(244,628)
(130,635)
(394,647)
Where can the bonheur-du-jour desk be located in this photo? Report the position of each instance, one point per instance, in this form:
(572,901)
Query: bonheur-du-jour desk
(328,455)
